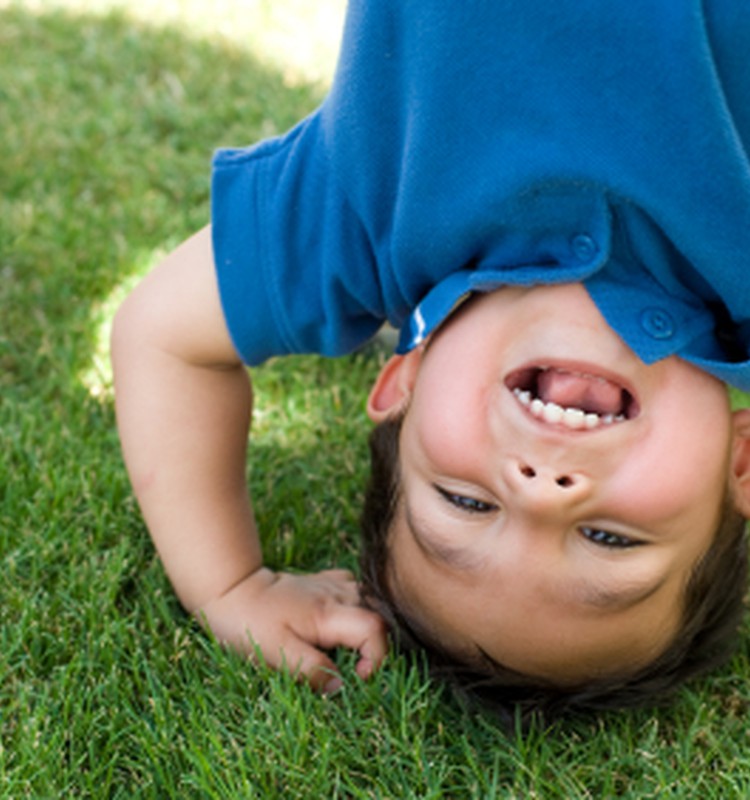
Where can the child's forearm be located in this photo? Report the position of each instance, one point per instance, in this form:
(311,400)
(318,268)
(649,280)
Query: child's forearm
(183,407)
(184,429)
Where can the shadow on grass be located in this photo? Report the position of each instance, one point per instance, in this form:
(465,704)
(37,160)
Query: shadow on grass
(108,131)
(109,128)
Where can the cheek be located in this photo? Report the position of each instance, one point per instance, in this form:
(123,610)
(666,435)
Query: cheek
(690,431)
(678,477)
(447,428)
(427,595)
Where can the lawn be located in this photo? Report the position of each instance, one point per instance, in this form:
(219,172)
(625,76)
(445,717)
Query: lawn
(110,112)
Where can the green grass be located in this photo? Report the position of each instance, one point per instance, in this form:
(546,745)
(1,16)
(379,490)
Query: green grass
(106,689)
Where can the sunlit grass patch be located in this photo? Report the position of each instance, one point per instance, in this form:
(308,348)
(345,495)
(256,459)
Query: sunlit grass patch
(96,376)
(297,37)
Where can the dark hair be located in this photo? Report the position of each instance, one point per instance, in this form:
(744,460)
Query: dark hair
(713,607)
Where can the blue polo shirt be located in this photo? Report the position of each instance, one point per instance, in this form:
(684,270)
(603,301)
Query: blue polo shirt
(467,146)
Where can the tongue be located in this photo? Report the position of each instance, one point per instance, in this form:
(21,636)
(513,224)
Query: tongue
(569,390)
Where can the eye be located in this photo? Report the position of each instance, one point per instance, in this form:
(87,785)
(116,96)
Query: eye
(468,504)
(608,539)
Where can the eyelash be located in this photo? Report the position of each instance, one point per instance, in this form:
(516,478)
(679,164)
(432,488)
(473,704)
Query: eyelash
(597,536)
(469,505)
(612,541)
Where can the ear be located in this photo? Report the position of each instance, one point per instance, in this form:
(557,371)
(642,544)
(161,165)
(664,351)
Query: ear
(393,386)
(740,475)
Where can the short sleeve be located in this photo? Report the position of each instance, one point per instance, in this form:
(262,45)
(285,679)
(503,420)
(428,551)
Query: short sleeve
(295,268)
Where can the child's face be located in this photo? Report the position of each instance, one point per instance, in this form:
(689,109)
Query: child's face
(562,552)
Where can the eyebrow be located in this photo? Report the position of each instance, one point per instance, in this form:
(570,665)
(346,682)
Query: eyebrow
(589,593)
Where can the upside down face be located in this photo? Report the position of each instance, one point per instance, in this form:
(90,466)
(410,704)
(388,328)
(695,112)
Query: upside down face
(556,491)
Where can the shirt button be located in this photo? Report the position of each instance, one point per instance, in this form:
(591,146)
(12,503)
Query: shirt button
(657,323)
(584,247)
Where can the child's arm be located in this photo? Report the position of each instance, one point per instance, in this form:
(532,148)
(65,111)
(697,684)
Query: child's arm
(184,403)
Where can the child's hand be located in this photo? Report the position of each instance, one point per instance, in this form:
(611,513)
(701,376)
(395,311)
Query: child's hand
(293,619)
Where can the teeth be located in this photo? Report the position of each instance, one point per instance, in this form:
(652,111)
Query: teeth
(573,418)
(553,413)
(524,397)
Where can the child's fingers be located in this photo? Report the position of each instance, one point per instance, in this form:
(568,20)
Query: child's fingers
(307,662)
(358,629)
(340,626)
(341,584)
(337,574)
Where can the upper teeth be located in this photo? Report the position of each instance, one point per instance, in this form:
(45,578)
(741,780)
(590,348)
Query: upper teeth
(574,418)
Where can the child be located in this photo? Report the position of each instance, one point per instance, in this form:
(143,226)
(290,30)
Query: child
(552,201)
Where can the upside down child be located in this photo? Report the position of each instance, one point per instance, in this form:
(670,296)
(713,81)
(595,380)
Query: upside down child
(551,202)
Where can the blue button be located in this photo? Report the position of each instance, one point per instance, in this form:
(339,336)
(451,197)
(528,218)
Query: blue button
(658,323)
(584,247)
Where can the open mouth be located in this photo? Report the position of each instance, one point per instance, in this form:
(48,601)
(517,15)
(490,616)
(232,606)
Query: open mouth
(575,400)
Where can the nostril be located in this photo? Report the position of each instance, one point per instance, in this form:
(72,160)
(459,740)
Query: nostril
(528,472)
(565,482)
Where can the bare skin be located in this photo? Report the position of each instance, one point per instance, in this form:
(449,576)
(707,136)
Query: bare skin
(184,404)
(559,549)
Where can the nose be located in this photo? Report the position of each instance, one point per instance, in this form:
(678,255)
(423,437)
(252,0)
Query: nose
(545,490)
